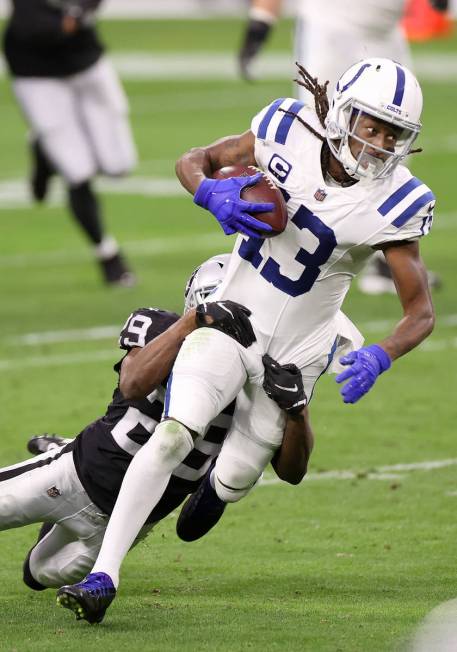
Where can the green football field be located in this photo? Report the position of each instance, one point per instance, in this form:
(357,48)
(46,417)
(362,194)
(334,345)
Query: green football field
(350,560)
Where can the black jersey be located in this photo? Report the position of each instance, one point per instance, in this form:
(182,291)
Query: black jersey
(35,45)
(104,449)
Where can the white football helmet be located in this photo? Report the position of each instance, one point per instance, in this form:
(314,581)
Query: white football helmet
(205,280)
(381,89)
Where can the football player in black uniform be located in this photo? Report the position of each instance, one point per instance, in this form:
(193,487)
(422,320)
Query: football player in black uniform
(72,488)
(76,109)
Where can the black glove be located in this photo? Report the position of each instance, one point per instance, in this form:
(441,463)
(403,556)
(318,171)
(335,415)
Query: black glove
(256,34)
(284,385)
(440,5)
(228,317)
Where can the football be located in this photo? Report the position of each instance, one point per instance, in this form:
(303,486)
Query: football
(262,192)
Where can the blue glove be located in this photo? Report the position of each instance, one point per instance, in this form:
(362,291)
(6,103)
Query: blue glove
(366,365)
(222,198)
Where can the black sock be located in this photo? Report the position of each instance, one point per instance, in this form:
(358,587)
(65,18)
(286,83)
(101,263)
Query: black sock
(42,171)
(85,208)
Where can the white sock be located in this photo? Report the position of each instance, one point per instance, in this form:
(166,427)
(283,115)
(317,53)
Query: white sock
(107,248)
(143,486)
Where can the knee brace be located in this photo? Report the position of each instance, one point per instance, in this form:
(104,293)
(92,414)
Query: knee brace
(170,444)
(232,484)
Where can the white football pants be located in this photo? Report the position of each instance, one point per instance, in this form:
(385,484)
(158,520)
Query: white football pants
(210,371)
(326,51)
(81,121)
(47,489)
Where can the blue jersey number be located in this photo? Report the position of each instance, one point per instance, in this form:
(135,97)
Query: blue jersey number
(303,219)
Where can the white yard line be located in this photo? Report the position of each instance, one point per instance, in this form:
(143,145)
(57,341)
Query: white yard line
(15,194)
(111,331)
(213,65)
(156,246)
(389,473)
(57,360)
(72,335)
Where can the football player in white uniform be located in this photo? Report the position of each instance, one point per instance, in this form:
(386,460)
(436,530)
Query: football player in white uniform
(71,486)
(331,34)
(347,194)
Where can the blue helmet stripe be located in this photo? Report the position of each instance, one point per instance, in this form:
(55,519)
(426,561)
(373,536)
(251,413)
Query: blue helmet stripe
(412,210)
(262,132)
(356,76)
(286,123)
(398,195)
(400,89)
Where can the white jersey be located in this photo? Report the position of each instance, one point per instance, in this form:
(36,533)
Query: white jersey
(296,282)
(375,16)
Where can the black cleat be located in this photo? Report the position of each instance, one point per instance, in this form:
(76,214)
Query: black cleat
(41,173)
(200,512)
(116,272)
(45,442)
(88,599)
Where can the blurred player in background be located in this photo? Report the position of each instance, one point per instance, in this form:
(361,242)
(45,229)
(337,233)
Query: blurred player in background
(329,36)
(338,169)
(76,109)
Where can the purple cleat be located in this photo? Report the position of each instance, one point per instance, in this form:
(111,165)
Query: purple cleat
(88,599)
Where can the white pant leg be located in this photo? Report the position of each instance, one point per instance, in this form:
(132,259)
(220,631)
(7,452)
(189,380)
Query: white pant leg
(51,110)
(62,557)
(210,370)
(103,109)
(326,52)
(255,434)
(45,488)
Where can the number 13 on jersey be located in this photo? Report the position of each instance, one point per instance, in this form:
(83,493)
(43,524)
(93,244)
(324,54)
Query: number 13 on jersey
(303,219)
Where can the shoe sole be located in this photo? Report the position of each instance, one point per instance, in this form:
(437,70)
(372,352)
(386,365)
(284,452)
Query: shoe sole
(68,601)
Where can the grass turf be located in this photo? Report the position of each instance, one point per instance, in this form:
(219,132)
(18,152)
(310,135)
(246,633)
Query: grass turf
(333,564)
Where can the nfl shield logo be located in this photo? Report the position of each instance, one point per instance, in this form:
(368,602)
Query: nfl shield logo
(320,194)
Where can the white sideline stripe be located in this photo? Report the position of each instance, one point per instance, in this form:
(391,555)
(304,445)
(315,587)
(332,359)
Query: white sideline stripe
(156,246)
(381,473)
(147,65)
(54,360)
(113,330)
(72,335)
(59,360)
(384,324)
(14,193)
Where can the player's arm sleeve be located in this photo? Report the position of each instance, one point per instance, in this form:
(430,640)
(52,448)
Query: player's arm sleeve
(410,216)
